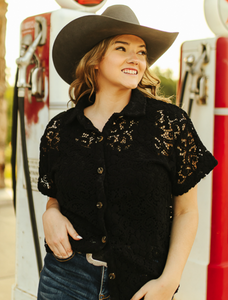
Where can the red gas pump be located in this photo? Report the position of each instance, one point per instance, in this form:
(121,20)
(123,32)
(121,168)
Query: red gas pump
(203,93)
(39,95)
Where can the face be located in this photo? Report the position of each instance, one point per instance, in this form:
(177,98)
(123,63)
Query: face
(123,64)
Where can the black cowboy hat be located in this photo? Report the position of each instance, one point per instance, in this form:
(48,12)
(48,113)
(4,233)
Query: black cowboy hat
(82,34)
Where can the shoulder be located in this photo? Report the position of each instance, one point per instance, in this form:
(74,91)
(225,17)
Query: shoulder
(59,120)
(169,119)
(168,110)
(167,115)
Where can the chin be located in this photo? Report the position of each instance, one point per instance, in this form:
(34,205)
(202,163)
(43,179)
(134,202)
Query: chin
(132,86)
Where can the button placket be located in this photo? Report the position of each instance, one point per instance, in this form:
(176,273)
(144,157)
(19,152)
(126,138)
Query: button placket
(101,196)
(100,138)
(104,239)
(100,170)
(112,276)
(99,205)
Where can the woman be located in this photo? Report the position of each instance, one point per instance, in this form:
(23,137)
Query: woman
(120,168)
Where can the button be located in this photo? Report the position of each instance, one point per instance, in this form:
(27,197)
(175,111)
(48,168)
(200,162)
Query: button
(104,238)
(100,138)
(100,170)
(112,276)
(99,204)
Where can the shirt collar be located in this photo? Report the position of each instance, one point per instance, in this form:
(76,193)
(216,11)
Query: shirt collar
(135,107)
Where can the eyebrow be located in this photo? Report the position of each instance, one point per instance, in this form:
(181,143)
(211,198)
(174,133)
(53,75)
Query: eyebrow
(126,43)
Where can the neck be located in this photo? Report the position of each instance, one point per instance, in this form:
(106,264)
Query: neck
(107,103)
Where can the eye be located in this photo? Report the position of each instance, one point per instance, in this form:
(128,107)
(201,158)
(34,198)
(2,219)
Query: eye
(121,48)
(143,52)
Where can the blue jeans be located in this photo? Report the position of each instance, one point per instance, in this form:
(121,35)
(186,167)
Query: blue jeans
(72,279)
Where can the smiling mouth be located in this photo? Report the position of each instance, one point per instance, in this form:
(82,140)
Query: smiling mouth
(130,71)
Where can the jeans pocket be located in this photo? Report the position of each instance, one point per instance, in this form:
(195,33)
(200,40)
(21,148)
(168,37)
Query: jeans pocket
(64,259)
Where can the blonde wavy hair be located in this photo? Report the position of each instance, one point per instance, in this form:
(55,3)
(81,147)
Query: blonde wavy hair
(86,79)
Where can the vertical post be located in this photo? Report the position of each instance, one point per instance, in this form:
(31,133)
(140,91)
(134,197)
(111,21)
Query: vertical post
(217,287)
(3,104)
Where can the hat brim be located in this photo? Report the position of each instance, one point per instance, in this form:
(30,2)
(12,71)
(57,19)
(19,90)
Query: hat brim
(82,34)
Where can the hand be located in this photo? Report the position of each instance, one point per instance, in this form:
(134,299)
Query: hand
(56,230)
(155,290)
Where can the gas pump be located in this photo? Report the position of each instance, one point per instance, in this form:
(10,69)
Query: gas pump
(203,93)
(39,95)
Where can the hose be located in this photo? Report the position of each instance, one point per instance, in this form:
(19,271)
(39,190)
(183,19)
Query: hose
(18,105)
(19,97)
(14,139)
(28,185)
(183,88)
(190,106)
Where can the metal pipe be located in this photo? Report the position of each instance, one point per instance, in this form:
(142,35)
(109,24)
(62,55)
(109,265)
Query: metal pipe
(25,60)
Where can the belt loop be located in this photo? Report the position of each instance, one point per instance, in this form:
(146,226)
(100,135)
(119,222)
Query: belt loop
(95,262)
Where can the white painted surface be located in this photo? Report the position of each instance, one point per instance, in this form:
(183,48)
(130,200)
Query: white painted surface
(216,14)
(58,98)
(223,111)
(194,279)
(21,295)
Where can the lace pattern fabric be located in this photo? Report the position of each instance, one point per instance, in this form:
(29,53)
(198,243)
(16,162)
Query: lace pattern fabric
(49,146)
(178,138)
(170,130)
(120,136)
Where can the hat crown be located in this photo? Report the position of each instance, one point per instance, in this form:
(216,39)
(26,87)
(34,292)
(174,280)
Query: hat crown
(122,13)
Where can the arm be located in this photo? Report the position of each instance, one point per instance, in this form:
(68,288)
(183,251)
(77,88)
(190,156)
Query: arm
(56,230)
(185,222)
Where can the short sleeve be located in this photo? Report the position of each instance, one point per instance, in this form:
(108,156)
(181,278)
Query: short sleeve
(192,160)
(49,153)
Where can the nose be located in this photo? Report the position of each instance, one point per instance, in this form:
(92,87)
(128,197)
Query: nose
(132,59)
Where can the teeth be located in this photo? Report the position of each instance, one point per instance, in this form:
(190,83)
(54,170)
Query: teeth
(133,72)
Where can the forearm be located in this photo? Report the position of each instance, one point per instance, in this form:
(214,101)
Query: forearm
(52,203)
(183,233)
(57,228)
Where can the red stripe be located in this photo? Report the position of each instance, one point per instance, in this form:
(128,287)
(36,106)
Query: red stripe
(89,2)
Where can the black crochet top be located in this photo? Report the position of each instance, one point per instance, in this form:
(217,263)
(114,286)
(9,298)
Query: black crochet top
(116,186)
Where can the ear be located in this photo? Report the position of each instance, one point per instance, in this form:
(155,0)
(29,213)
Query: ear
(96,67)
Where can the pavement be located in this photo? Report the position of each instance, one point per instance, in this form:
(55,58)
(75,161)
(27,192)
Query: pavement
(7,243)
